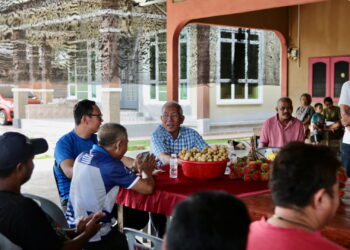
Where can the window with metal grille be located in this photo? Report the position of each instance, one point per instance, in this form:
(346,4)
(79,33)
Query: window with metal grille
(239,66)
(157,66)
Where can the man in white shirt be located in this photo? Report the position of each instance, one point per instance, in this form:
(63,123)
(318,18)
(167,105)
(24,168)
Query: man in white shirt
(344,103)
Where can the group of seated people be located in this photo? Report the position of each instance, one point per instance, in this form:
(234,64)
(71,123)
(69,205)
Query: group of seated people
(303,206)
(309,122)
(89,170)
(315,118)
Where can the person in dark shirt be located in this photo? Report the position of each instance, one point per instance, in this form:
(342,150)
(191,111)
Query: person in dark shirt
(209,220)
(21,219)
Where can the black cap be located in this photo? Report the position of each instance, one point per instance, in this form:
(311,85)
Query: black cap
(16,147)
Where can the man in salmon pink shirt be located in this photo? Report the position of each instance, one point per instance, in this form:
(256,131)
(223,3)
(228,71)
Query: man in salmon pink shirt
(277,131)
(304,189)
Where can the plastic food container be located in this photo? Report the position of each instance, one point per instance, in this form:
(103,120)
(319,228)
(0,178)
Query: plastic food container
(203,169)
(264,152)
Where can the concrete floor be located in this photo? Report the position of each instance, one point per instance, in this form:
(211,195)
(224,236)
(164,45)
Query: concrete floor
(43,183)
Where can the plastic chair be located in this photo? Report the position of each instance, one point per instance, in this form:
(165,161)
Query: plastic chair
(51,209)
(6,244)
(135,245)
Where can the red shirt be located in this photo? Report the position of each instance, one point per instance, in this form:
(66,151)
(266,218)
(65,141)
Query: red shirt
(273,134)
(264,236)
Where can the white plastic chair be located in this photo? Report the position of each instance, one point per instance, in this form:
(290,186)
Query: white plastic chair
(156,243)
(6,244)
(51,209)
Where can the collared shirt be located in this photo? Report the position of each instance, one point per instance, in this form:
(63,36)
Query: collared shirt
(333,114)
(273,134)
(97,177)
(163,142)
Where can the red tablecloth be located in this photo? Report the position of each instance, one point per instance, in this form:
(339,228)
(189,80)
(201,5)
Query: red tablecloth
(169,191)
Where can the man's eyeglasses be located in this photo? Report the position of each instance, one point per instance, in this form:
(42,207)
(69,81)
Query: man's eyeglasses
(172,116)
(97,115)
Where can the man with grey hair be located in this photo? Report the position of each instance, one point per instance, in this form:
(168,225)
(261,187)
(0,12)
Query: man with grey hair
(281,129)
(97,176)
(170,137)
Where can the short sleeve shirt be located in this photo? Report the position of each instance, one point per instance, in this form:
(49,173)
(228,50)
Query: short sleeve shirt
(95,185)
(264,236)
(69,147)
(303,112)
(344,99)
(163,142)
(332,115)
(273,134)
(24,223)
(318,119)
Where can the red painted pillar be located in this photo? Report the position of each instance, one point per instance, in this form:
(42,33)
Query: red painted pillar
(172,63)
(284,64)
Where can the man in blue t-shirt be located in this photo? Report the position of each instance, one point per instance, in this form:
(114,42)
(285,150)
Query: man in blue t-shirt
(97,176)
(88,119)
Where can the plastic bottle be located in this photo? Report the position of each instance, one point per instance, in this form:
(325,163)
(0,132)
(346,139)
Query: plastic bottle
(232,159)
(173,166)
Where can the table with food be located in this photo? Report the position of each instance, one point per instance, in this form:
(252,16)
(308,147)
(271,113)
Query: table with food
(200,171)
(218,168)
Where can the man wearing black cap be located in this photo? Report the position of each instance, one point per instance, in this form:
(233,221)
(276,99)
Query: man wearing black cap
(21,220)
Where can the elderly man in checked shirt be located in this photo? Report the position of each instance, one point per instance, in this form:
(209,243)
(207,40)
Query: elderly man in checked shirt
(170,137)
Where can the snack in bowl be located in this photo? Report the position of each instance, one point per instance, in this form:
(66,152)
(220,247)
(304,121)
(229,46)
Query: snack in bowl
(216,153)
(207,164)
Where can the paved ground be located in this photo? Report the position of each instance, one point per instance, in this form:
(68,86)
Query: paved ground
(42,182)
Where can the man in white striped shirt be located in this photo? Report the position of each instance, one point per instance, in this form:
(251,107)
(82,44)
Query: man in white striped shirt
(97,176)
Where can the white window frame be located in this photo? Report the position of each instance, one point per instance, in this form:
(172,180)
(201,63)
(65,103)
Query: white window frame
(156,81)
(259,81)
(187,41)
(89,78)
(72,83)
(97,71)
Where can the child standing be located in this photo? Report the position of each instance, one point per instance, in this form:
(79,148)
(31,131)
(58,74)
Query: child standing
(318,123)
